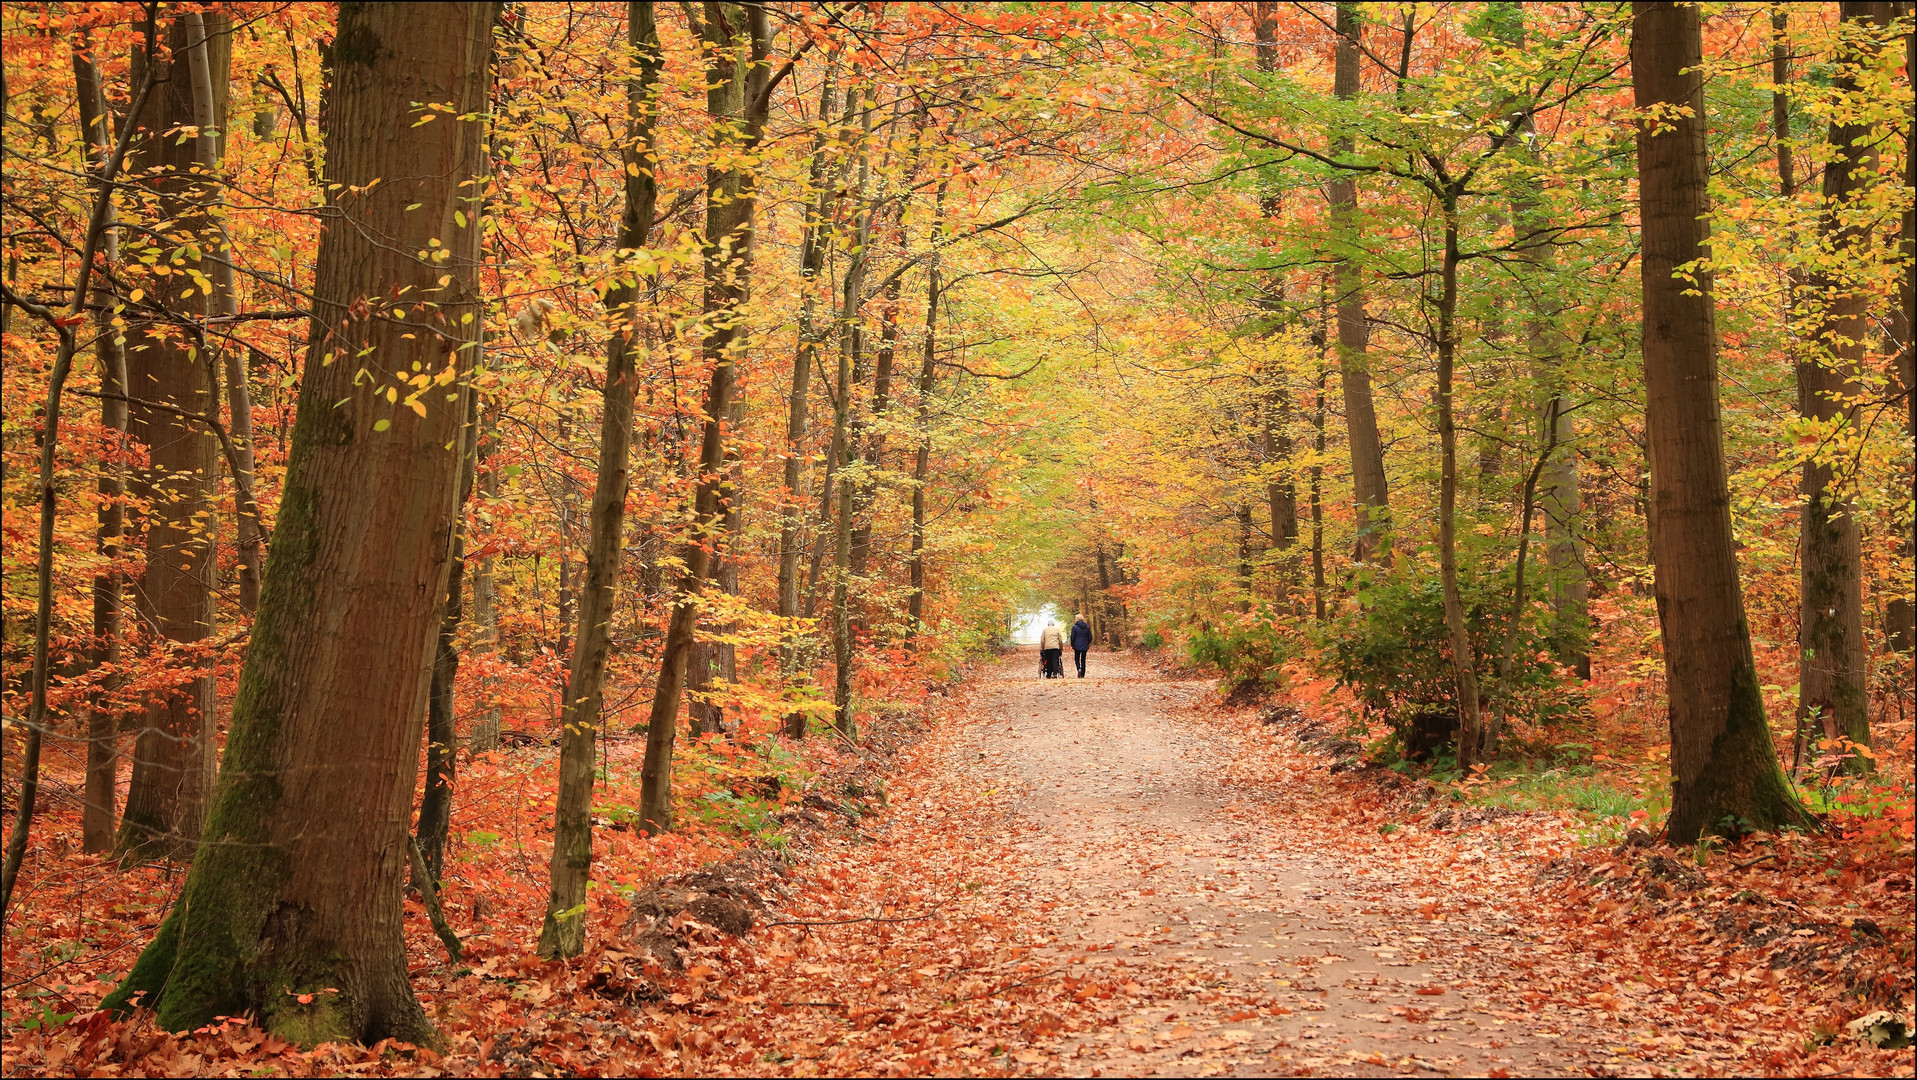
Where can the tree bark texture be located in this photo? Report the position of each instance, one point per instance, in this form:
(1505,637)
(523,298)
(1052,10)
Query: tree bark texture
(1354,332)
(1830,631)
(297,886)
(730,30)
(173,754)
(1724,769)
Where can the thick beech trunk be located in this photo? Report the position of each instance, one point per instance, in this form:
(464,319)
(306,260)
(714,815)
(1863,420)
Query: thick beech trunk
(1354,333)
(292,910)
(730,30)
(109,586)
(173,755)
(1832,661)
(1724,771)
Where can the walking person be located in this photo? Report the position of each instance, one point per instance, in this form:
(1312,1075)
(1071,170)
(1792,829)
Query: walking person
(1081,642)
(1050,644)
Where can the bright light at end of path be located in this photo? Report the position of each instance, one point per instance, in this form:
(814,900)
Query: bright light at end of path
(1026,628)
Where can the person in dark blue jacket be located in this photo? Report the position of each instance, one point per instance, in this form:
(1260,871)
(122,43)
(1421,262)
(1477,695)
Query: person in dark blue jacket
(1081,642)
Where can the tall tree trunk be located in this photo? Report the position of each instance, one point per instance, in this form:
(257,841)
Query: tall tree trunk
(303,927)
(883,362)
(1274,442)
(109,587)
(1245,531)
(564,930)
(484,625)
(1830,636)
(209,53)
(1317,477)
(1354,333)
(712,662)
(845,442)
(792,511)
(442,736)
(922,434)
(1559,494)
(1463,662)
(729,31)
(1900,615)
(173,755)
(1724,770)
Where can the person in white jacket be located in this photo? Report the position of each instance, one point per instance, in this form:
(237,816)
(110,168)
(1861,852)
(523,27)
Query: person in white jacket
(1051,644)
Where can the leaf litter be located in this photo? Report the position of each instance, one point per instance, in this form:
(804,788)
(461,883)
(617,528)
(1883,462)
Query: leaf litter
(1107,877)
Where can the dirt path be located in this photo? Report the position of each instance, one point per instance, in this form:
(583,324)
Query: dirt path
(1128,836)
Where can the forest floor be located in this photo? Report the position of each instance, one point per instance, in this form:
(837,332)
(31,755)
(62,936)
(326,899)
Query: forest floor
(1119,876)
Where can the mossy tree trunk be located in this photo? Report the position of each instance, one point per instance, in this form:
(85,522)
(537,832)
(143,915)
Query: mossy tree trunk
(1724,770)
(292,910)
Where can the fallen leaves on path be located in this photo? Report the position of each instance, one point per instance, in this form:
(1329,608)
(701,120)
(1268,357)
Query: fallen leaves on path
(967,925)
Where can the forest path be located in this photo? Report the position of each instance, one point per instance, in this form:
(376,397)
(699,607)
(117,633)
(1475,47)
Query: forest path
(1129,835)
